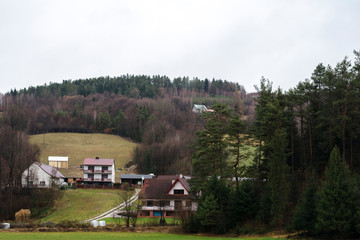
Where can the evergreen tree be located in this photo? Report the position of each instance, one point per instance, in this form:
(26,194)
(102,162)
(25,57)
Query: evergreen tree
(211,153)
(338,199)
(215,197)
(208,212)
(305,213)
(278,177)
(244,204)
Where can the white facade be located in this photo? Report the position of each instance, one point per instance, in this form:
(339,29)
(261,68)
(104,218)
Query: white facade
(178,186)
(97,174)
(38,177)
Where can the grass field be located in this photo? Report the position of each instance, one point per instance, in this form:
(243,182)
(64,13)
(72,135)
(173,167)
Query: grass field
(82,204)
(79,146)
(109,235)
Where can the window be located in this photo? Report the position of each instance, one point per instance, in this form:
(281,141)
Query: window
(42,183)
(178,191)
(104,168)
(149,203)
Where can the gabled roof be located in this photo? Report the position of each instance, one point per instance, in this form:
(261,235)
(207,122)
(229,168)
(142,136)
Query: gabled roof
(98,161)
(50,170)
(198,106)
(183,182)
(158,188)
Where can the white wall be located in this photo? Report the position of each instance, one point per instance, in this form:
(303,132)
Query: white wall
(37,175)
(178,186)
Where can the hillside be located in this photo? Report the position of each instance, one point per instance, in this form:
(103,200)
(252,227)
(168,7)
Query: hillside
(79,146)
(71,205)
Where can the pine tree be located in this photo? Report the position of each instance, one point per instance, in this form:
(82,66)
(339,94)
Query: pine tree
(211,153)
(338,199)
(208,212)
(305,213)
(278,177)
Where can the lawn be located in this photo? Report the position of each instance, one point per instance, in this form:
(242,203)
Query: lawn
(78,146)
(109,235)
(82,204)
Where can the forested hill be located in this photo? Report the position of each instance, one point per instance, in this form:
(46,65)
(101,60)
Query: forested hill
(154,111)
(132,86)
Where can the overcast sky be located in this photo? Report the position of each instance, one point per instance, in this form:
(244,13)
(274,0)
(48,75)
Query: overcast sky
(44,41)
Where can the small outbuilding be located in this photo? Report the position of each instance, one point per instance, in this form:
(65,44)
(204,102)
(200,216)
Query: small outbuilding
(135,178)
(58,162)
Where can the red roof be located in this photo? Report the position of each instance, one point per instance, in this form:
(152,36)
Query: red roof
(98,161)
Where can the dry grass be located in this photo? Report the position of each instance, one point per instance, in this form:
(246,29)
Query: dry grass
(79,146)
(82,204)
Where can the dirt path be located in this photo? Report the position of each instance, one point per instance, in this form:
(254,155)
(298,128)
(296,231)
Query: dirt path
(112,212)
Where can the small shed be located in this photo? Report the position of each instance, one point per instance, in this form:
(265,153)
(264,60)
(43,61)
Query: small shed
(58,162)
(135,178)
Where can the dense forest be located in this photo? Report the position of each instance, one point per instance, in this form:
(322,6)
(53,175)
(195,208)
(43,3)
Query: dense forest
(304,175)
(304,171)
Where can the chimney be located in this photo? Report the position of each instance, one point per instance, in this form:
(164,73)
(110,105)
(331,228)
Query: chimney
(97,158)
(181,176)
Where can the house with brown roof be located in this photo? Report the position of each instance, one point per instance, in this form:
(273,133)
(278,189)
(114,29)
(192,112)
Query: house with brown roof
(42,176)
(166,196)
(99,171)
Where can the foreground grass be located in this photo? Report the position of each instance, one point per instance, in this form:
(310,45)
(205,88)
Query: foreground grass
(109,235)
(82,204)
(78,146)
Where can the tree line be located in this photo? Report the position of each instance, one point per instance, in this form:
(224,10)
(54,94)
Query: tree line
(305,170)
(136,86)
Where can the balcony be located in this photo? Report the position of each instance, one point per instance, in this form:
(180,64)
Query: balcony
(97,180)
(97,171)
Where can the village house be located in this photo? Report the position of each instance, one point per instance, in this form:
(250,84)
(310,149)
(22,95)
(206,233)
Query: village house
(42,176)
(166,196)
(201,108)
(99,171)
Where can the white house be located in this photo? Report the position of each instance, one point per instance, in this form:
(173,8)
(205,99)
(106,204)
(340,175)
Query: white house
(58,162)
(41,175)
(199,108)
(166,195)
(99,171)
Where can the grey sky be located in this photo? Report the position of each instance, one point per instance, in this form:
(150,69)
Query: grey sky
(44,41)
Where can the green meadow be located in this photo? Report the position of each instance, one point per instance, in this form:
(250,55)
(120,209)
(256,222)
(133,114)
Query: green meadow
(109,235)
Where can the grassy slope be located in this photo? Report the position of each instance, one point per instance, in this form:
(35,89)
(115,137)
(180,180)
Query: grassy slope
(79,146)
(109,235)
(82,204)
